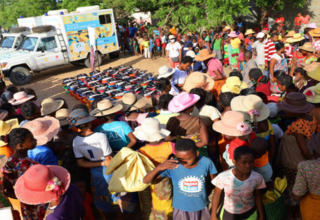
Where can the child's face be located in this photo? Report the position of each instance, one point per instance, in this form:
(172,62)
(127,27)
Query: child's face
(30,142)
(187,158)
(185,66)
(196,50)
(298,75)
(282,88)
(245,163)
(194,40)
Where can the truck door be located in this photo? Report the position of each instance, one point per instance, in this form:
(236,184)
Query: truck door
(52,55)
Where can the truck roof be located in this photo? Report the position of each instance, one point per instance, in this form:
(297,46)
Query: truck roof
(48,34)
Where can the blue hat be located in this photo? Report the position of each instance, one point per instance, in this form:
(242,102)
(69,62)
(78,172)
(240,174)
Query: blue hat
(79,117)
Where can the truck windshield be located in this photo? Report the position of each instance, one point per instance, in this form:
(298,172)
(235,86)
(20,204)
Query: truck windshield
(7,42)
(29,43)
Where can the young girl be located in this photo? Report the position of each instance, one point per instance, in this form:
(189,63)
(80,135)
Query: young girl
(226,52)
(299,78)
(260,81)
(151,47)
(140,42)
(135,46)
(240,59)
(234,49)
(146,47)
(241,186)
(188,173)
(286,85)
(217,46)
(163,44)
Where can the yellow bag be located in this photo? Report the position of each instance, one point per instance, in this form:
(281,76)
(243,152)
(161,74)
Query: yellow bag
(279,184)
(129,168)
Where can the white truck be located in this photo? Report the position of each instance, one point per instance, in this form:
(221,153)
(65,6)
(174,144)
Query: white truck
(63,39)
(10,41)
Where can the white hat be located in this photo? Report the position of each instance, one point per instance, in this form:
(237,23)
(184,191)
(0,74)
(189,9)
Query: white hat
(165,72)
(191,54)
(260,35)
(150,130)
(172,37)
(273,109)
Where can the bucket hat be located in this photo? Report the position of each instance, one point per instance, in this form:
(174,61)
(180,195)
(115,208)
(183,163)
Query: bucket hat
(150,130)
(295,38)
(105,107)
(233,34)
(315,32)
(252,106)
(312,25)
(191,54)
(295,102)
(233,124)
(308,47)
(6,127)
(198,80)
(131,102)
(182,101)
(204,54)
(3,114)
(42,184)
(313,94)
(43,129)
(20,97)
(234,84)
(165,72)
(49,105)
(3,160)
(78,117)
(290,34)
(172,37)
(62,115)
(249,31)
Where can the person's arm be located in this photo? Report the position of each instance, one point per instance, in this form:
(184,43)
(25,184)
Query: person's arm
(297,198)
(107,160)
(168,164)
(8,188)
(204,137)
(272,63)
(218,75)
(273,146)
(258,200)
(180,57)
(301,140)
(89,164)
(133,140)
(293,66)
(215,203)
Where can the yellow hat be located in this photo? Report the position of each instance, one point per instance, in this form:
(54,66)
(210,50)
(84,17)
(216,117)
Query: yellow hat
(6,127)
(315,74)
(234,84)
(313,94)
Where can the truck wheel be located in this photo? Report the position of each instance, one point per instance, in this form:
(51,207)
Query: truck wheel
(87,61)
(114,55)
(20,76)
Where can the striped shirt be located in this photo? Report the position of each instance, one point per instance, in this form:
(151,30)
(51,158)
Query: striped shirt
(269,50)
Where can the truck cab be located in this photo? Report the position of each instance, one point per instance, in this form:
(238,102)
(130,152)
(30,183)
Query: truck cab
(10,41)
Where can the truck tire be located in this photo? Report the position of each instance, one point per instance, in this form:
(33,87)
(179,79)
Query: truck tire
(43,28)
(97,57)
(114,55)
(15,30)
(20,76)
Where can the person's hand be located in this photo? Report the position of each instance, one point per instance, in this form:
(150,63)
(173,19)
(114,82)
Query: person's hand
(214,217)
(273,79)
(168,164)
(267,65)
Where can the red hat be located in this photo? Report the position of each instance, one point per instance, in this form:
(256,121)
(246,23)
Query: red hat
(265,29)
(42,184)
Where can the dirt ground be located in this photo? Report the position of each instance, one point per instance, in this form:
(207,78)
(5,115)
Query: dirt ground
(48,83)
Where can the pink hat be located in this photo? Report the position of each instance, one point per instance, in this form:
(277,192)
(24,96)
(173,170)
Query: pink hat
(182,101)
(312,25)
(20,97)
(43,129)
(42,184)
(233,34)
(233,124)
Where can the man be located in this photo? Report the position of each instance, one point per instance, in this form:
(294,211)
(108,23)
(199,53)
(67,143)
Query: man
(258,48)
(127,38)
(180,75)
(250,64)
(132,30)
(269,48)
(280,19)
(186,40)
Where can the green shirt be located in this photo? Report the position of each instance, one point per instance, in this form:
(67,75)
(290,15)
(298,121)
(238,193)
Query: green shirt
(217,44)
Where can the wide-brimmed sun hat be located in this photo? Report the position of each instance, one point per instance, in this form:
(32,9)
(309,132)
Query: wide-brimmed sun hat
(233,124)
(165,72)
(290,34)
(3,114)
(43,129)
(315,71)
(312,25)
(313,94)
(295,102)
(6,127)
(172,37)
(49,105)
(227,27)
(234,84)
(150,130)
(308,47)
(3,160)
(42,184)
(204,54)
(198,80)
(182,101)
(252,106)
(312,67)
(62,115)
(131,102)
(249,31)
(79,117)
(191,54)
(20,97)
(315,32)
(105,107)
(233,34)
(295,38)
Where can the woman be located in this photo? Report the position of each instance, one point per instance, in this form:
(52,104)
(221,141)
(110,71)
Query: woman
(185,125)
(295,142)
(313,72)
(307,34)
(313,97)
(295,41)
(234,51)
(173,52)
(261,82)
(164,86)
(165,114)
(308,51)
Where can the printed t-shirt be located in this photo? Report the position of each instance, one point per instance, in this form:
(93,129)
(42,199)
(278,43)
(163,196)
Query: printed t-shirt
(235,42)
(239,197)
(43,154)
(94,147)
(278,20)
(158,153)
(305,20)
(173,49)
(178,78)
(117,133)
(189,189)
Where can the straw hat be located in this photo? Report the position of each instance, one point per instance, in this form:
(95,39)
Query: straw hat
(227,27)
(252,106)
(198,80)
(105,107)
(6,127)
(43,129)
(165,72)
(233,34)
(204,54)
(49,105)
(314,70)
(313,94)
(295,102)
(290,34)
(295,38)
(131,102)
(182,101)
(150,131)
(3,160)
(20,97)
(79,117)
(233,124)
(307,47)
(62,115)
(191,54)
(3,114)
(42,184)
(315,32)
(311,67)
(249,31)
(234,84)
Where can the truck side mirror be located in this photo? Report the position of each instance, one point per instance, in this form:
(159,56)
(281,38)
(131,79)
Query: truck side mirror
(43,49)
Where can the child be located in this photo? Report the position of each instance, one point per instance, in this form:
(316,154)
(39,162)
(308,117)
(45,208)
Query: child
(226,53)
(240,59)
(151,47)
(251,42)
(146,47)
(299,78)
(217,46)
(135,46)
(164,44)
(241,187)
(30,111)
(158,43)
(194,42)
(196,50)
(286,85)
(7,126)
(188,174)
(140,42)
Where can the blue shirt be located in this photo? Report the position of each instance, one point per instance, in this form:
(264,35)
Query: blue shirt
(151,45)
(189,188)
(185,49)
(132,31)
(117,133)
(43,154)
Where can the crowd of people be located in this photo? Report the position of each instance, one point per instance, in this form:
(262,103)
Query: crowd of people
(217,145)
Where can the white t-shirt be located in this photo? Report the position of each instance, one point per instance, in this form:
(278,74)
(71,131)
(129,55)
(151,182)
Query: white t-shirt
(163,39)
(94,147)
(278,133)
(277,57)
(178,77)
(173,49)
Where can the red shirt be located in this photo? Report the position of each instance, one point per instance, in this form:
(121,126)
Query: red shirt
(279,20)
(158,42)
(269,50)
(247,40)
(127,33)
(87,202)
(264,88)
(297,21)
(142,29)
(238,143)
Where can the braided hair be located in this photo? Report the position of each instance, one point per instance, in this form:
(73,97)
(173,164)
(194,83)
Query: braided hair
(16,136)
(225,98)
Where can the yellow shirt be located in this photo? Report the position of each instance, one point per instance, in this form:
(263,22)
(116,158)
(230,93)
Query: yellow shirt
(158,153)
(173,30)
(146,44)
(235,42)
